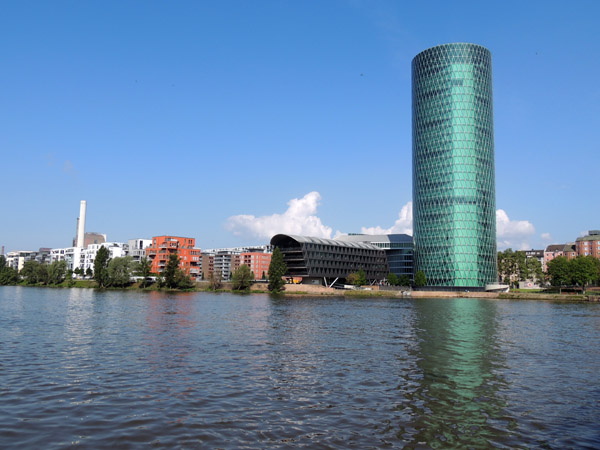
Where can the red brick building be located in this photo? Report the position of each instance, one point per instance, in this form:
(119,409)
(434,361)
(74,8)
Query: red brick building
(258,262)
(589,245)
(164,246)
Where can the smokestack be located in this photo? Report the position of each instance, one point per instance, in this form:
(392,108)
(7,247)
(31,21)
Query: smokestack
(81,224)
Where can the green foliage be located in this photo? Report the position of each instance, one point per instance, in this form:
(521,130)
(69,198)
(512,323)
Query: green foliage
(69,281)
(404,280)
(515,266)
(8,275)
(89,273)
(420,279)
(264,276)
(393,279)
(101,267)
(171,269)
(559,271)
(119,271)
(277,270)
(143,269)
(183,280)
(242,278)
(585,270)
(57,272)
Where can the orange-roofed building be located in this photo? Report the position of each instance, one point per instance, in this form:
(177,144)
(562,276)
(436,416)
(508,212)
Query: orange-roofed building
(163,246)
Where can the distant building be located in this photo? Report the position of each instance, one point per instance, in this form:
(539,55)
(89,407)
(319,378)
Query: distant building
(258,262)
(551,252)
(570,250)
(93,238)
(536,254)
(227,260)
(88,255)
(164,246)
(136,248)
(324,261)
(398,250)
(589,245)
(17,259)
(71,255)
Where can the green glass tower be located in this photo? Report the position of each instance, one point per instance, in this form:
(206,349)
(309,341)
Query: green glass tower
(454,193)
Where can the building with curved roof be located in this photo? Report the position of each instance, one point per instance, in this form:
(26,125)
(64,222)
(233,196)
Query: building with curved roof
(318,260)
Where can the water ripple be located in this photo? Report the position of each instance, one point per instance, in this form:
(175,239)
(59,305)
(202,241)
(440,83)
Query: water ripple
(89,369)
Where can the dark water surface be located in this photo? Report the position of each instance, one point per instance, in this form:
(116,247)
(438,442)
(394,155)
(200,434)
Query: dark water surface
(87,369)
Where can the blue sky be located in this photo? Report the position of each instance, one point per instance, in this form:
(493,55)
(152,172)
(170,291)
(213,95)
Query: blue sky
(227,120)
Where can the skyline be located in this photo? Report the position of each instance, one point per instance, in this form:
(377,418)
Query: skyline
(207,120)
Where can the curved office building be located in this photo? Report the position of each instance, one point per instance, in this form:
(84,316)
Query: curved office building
(454,199)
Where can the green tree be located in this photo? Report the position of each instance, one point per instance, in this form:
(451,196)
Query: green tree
(393,279)
(183,280)
(171,270)
(559,271)
(584,270)
(242,278)
(89,273)
(362,277)
(70,282)
(264,276)
(404,280)
(119,271)
(143,269)
(57,272)
(277,270)
(420,279)
(8,275)
(101,267)
(32,273)
(214,280)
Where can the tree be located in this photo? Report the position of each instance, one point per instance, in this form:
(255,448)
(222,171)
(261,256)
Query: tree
(404,280)
(101,267)
(242,278)
(559,271)
(144,269)
(420,279)
(393,279)
(277,270)
(214,280)
(89,273)
(57,272)
(119,271)
(34,272)
(264,276)
(183,280)
(8,275)
(171,270)
(584,270)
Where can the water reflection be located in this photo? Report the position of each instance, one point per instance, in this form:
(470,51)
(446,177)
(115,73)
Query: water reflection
(457,402)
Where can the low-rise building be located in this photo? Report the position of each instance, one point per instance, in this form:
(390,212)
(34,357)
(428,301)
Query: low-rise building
(258,262)
(399,250)
(325,261)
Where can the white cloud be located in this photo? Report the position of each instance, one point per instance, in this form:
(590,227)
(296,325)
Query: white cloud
(546,237)
(300,218)
(403,224)
(513,233)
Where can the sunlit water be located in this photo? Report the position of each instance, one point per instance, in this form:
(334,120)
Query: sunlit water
(87,369)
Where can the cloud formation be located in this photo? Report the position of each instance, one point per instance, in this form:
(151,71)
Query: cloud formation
(403,225)
(300,218)
(513,233)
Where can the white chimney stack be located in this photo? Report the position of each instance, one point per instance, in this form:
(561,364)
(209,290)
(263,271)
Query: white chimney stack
(81,224)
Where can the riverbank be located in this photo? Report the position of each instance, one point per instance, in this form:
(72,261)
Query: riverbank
(305,290)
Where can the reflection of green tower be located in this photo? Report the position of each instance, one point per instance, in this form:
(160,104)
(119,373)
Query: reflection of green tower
(454,197)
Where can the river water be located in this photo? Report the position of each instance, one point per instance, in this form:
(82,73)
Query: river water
(88,369)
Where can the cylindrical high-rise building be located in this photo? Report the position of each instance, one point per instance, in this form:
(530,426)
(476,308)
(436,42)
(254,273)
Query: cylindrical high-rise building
(454,193)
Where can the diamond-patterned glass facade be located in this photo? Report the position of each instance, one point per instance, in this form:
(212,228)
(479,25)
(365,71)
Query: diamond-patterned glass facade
(454,194)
